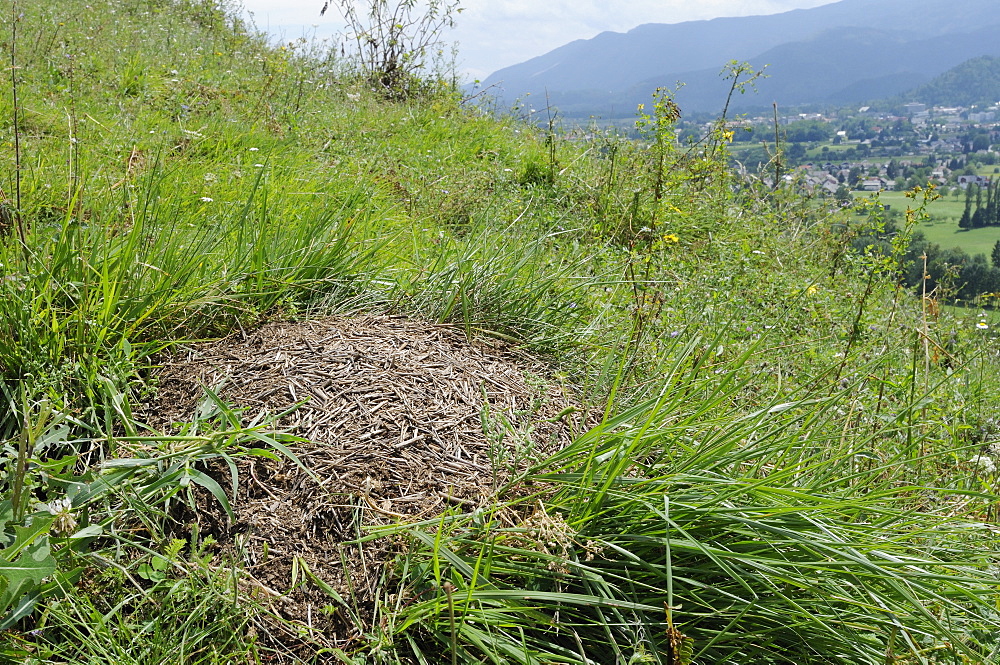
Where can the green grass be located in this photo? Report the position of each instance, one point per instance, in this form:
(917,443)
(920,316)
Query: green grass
(973,241)
(941,227)
(832,152)
(705,527)
(788,465)
(942,211)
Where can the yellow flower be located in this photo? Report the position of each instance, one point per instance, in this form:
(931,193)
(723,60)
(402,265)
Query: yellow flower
(642,107)
(670,239)
(812,290)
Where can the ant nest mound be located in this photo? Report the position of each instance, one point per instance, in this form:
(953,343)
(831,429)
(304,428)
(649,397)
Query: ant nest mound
(400,420)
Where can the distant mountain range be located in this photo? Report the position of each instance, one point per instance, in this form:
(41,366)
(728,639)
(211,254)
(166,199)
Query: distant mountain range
(847,52)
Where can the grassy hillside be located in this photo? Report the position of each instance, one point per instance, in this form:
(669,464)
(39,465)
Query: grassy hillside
(780,455)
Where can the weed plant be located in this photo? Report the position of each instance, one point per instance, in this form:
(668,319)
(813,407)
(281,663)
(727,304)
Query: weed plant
(797,457)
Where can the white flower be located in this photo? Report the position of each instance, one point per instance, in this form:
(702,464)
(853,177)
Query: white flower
(254,149)
(982,325)
(59,505)
(64,521)
(206,199)
(985,463)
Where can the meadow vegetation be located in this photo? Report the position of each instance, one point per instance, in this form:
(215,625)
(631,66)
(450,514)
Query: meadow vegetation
(796,459)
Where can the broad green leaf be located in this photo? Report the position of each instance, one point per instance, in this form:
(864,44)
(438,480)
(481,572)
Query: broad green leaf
(24,566)
(212,486)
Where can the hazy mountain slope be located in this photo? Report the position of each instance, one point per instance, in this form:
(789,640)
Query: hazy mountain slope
(839,66)
(611,59)
(975,81)
(836,51)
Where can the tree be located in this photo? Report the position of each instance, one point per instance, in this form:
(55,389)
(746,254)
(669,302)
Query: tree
(978,217)
(394,39)
(990,214)
(843,196)
(966,221)
(995,256)
(974,278)
(804,131)
(855,176)
(795,152)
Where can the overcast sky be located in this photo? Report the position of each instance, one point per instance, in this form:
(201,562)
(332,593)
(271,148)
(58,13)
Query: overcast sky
(493,34)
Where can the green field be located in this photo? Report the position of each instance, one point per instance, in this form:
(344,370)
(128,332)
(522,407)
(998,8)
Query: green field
(975,241)
(942,226)
(832,153)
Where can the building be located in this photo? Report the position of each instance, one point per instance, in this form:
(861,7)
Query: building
(872,185)
(979,180)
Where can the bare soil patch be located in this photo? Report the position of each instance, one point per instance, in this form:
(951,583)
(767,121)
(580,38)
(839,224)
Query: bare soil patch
(403,420)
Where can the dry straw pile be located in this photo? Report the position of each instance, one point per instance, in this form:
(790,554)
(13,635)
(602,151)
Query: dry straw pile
(401,420)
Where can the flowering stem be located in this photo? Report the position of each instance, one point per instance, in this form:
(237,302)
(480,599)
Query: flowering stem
(24,441)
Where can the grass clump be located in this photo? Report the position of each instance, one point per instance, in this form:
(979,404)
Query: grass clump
(188,616)
(662,536)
